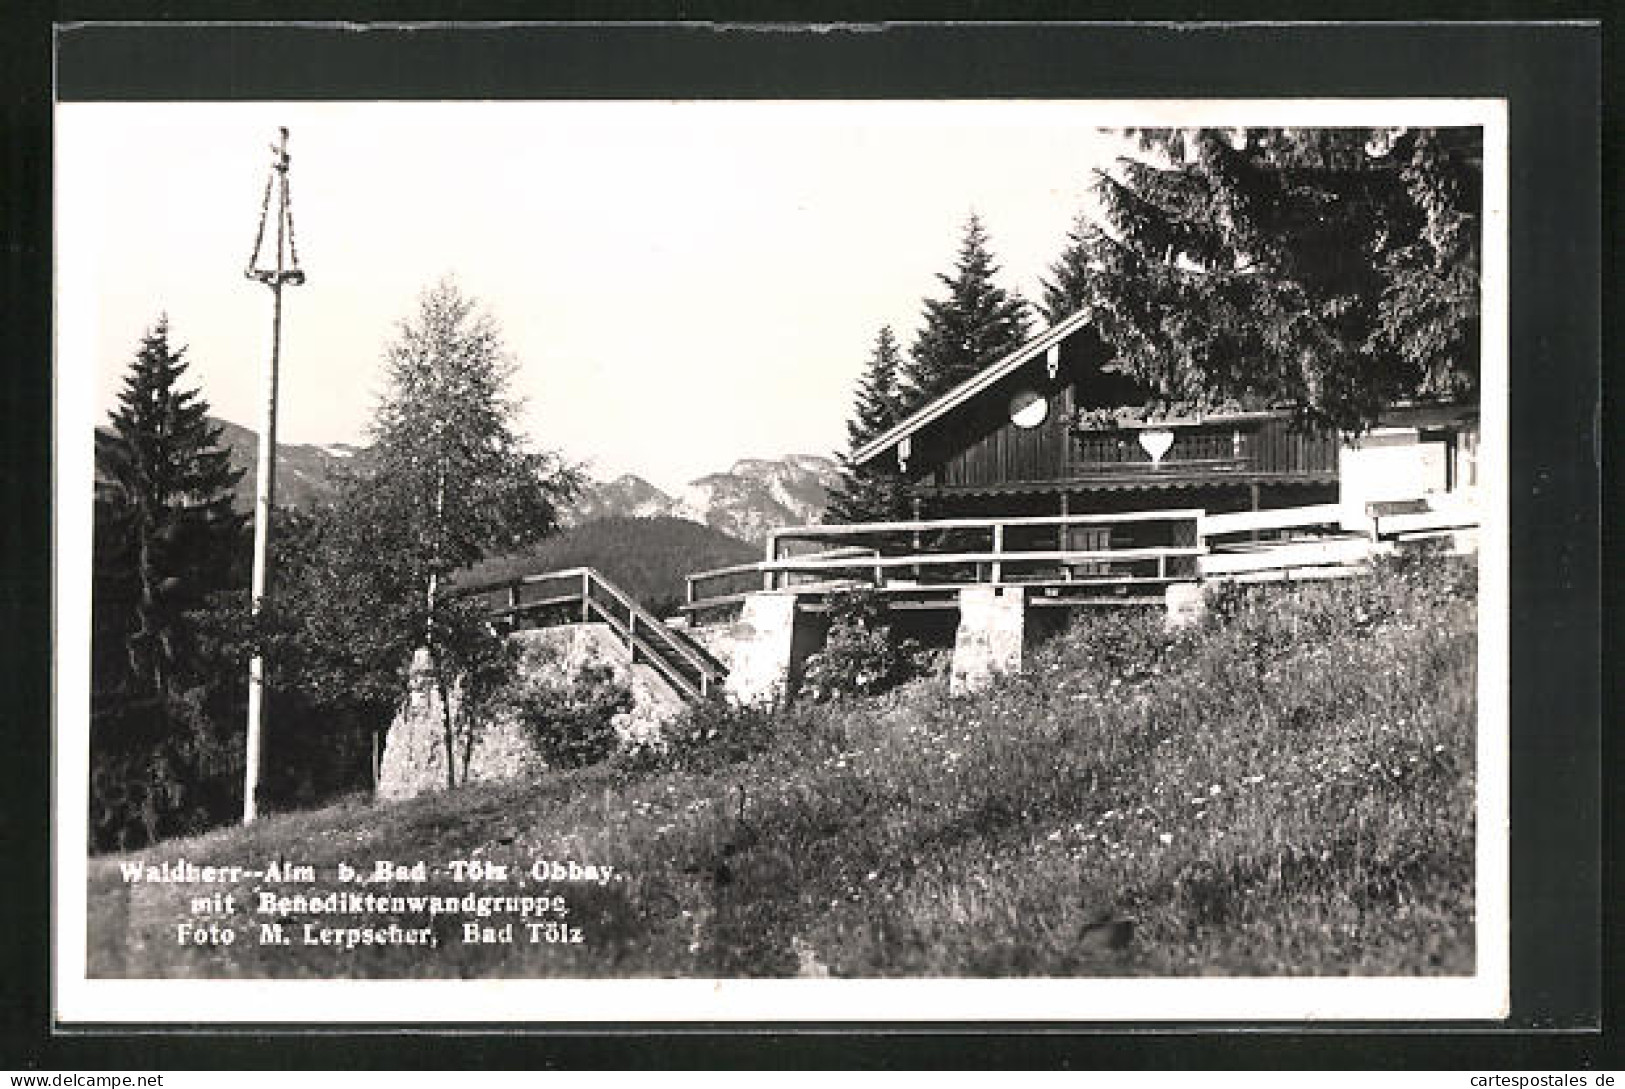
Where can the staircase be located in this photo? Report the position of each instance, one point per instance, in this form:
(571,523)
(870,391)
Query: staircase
(580,595)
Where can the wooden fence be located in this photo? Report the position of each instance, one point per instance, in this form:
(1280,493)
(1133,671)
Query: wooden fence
(945,554)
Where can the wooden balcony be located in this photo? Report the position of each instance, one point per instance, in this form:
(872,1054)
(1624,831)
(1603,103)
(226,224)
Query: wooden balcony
(1259,445)
(1171,467)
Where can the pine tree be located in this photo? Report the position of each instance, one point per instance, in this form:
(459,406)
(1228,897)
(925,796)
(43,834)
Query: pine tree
(1066,291)
(974,324)
(877,405)
(167,545)
(173,485)
(1335,270)
(869,492)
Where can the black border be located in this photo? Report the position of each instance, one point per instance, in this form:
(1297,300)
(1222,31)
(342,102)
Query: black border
(1552,77)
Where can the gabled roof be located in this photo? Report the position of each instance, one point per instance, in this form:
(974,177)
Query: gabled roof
(969,388)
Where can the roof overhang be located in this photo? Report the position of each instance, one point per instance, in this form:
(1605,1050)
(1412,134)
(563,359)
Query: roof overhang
(981,380)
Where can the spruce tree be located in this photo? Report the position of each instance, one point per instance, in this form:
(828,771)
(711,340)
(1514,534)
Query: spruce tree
(168,545)
(173,495)
(871,492)
(1335,270)
(1066,290)
(974,324)
(876,406)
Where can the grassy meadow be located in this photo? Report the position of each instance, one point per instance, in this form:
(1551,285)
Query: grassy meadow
(1286,789)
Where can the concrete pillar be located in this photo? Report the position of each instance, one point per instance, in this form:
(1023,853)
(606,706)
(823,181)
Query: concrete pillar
(771,640)
(1186,603)
(991,638)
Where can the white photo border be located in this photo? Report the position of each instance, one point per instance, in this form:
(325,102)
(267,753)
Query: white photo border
(1484,996)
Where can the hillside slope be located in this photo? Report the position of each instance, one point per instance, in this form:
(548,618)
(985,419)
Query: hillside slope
(1288,790)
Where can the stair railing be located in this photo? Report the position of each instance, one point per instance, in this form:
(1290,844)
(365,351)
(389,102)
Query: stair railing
(590,596)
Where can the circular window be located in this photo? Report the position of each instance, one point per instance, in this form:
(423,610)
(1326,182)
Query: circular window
(1028,409)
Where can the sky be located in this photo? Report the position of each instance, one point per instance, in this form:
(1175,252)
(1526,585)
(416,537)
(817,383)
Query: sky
(681,284)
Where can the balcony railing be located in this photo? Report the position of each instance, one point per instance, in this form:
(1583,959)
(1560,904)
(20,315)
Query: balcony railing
(1087,468)
(943,554)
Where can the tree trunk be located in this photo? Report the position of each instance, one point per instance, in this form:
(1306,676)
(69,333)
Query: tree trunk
(434,657)
(468,744)
(447,724)
(144,661)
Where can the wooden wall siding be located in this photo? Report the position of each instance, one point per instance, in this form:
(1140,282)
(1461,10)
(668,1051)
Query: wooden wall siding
(1122,447)
(1280,448)
(1270,446)
(977,446)
(992,450)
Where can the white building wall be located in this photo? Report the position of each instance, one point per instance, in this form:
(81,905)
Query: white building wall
(1389,464)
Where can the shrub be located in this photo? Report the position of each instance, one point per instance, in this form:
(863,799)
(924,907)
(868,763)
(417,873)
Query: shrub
(716,733)
(1411,582)
(860,656)
(1125,644)
(571,725)
(1430,573)
(160,768)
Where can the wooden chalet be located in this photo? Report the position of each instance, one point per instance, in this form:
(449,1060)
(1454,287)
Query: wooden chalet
(1016,439)
(1010,439)
(1014,485)
(1021,502)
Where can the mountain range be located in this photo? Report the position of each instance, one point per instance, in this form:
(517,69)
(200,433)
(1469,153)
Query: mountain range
(751,497)
(744,501)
